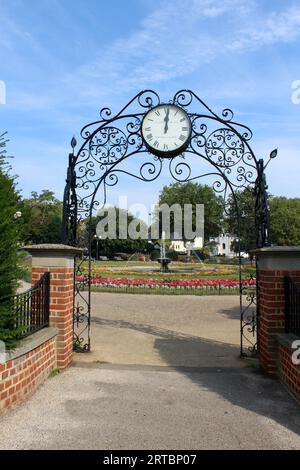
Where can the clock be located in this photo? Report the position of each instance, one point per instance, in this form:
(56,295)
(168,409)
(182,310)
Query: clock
(166,130)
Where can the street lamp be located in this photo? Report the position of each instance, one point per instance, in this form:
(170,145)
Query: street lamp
(97,245)
(17,215)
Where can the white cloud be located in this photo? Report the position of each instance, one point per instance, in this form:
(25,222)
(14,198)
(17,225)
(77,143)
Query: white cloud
(176,39)
(275,27)
(173,42)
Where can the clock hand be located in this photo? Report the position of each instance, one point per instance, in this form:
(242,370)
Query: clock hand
(166,119)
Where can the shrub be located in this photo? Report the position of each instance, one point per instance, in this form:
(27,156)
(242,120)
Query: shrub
(9,243)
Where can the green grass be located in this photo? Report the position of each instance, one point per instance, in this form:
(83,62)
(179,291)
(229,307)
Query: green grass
(25,270)
(173,277)
(199,271)
(118,269)
(54,372)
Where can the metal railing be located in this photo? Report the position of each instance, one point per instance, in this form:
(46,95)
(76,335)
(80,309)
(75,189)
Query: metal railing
(31,308)
(292,306)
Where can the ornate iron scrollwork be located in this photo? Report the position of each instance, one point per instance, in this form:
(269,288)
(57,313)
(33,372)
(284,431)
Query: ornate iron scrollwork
(223,153)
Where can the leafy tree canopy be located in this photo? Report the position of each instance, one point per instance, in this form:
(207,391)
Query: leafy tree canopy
(195,193)
(9,245)
(42,218)
(285,221)
(109,247)
(284,214)
(245,223)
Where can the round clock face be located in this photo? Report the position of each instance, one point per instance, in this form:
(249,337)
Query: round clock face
(166,130)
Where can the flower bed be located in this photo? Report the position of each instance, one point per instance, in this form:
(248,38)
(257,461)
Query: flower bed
(213,284)
(107,272)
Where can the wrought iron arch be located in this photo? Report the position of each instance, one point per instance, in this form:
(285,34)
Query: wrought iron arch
(218,140)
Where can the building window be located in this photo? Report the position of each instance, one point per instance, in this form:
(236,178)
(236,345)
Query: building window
(224,246)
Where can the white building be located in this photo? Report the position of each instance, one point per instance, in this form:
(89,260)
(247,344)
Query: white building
(223,245)
(180,246)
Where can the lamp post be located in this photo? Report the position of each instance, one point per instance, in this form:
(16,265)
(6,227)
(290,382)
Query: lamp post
(17,215)
(97,246)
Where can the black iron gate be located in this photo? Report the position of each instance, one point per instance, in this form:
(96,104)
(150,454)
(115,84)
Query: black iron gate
(219,142)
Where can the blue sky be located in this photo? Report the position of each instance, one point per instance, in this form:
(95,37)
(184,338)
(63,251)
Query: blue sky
(63,60)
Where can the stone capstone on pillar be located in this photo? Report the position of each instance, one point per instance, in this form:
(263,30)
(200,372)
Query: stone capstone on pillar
(59,260)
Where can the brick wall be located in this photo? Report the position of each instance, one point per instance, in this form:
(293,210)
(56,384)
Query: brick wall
(21,375)
(52,347)
(289,373)
(271,316)
(61,308)
(275,352)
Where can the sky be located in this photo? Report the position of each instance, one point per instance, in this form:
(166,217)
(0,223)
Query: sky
(61,61)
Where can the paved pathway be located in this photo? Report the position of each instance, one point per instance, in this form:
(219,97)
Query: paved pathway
(135,390)
(130,407)
(165,330)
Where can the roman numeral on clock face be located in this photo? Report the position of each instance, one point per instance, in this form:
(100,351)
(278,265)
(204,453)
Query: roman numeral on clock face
(166,130)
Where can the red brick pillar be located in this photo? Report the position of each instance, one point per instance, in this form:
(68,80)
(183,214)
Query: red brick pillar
(273,265)
(59,261)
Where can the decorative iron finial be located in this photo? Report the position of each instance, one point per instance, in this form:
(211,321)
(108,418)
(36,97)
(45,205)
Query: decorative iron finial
(273,154)
(73,142)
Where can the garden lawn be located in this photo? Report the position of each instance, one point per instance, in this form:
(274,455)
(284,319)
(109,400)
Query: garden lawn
(134,270)
(201,280)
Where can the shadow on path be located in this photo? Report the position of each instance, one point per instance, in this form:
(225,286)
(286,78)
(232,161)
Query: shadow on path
(242,386)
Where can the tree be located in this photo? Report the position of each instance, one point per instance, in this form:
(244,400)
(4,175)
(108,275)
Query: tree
(284,214)
(42,218)
(109,247)
(244,224)
(285,221)
(9,243)
(195,193)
